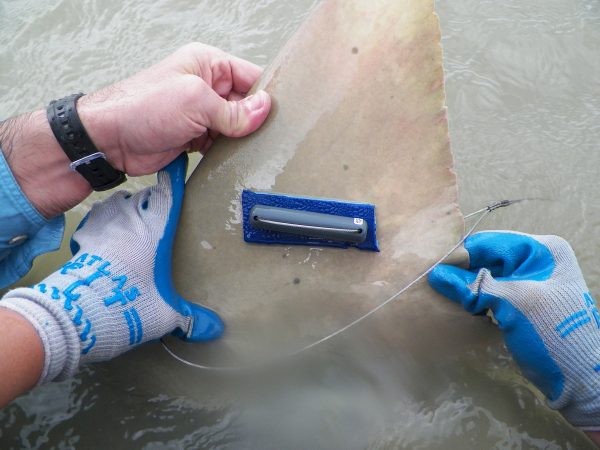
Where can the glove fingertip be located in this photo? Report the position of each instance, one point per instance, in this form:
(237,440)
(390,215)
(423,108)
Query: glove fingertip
(452,282)
(206,325)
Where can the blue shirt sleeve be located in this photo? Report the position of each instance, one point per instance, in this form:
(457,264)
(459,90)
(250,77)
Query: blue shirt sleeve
(24,232)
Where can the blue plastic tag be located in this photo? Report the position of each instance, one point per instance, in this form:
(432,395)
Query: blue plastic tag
(363,211)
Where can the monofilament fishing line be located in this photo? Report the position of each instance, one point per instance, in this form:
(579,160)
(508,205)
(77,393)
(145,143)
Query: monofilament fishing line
(481,214)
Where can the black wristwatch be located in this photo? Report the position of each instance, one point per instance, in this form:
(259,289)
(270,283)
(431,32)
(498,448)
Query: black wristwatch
(85,158)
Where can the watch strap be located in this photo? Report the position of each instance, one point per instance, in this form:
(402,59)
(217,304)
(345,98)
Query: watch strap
(71,135)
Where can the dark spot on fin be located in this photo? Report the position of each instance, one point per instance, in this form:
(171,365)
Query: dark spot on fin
(354,50)
(346,166)
(296,280)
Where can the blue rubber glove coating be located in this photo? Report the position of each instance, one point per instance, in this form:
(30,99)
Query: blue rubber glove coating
(116,292)
(535,289)
(206,324)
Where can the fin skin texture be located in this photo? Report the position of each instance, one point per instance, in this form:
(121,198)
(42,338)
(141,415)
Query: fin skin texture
(358,114)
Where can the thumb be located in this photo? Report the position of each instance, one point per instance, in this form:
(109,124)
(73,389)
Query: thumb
(452,282)
(238,118)
(205,325)
(461,286)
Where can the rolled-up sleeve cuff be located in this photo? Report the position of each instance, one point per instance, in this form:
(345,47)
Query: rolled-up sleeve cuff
(24,232)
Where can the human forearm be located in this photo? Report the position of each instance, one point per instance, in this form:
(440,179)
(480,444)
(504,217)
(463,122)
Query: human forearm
(105,300)
(21,356)
(141,124)
(39,165)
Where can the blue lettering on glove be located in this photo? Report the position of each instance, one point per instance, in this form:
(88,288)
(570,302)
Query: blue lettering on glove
(86,330)
(134,324)
(122,294)
(77,317)
(74,265)
(71,297)
(78,314)
(93,260)
(579,318)
(85,350)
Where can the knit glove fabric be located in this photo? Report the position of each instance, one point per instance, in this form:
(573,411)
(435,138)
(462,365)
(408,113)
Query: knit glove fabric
(535,289)
(116,292)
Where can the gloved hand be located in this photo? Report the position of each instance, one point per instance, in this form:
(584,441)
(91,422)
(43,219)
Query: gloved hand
(535,289)
(116,292)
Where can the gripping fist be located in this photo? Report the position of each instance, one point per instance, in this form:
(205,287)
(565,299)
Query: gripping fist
(183,102)
(551,325)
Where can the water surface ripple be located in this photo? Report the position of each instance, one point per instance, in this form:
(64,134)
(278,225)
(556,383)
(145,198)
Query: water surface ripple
(524,104)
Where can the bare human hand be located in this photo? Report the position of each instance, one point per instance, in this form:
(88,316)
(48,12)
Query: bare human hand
(184,101)
(141,123)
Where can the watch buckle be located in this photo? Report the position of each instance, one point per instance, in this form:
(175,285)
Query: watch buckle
(86,160)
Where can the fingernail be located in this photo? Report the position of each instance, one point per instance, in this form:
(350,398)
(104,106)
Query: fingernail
(256,101)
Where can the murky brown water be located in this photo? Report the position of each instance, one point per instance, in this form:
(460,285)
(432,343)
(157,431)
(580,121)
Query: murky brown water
(524,106)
